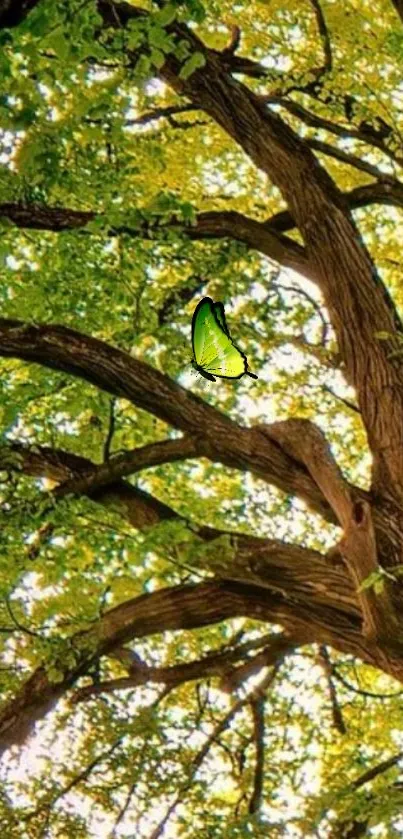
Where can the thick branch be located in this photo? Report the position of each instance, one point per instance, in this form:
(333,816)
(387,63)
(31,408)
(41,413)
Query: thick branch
(345,157)
(385,191)
(139,508)
(358,303)
(209,225)
(180,607)
(305,442)
(379,769)
(215,664)
(219,438)
(352,829)
(127,463)
(271,563)
(298,589)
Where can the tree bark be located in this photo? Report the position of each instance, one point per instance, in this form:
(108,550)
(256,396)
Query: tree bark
(357,301)
(113,370)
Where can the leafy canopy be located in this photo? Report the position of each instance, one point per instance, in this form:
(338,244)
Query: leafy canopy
(84,128)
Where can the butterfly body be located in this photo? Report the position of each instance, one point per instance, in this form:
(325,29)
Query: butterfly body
(214,352)
(204,372)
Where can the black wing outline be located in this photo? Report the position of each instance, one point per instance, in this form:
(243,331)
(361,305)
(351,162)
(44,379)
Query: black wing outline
(214,307)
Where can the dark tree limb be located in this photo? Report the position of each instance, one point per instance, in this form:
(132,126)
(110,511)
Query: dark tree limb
(377,770)
(345,157)
(350,828)
(385,190)
(361,691)
(209,225)
(111,429)
(214,664)
(304,441)
(128,463)
(120,374)
(13,12)
(297,588)
(173,608)
(313,120)
(398,6)
(325,38)
(338,720)
(158,113)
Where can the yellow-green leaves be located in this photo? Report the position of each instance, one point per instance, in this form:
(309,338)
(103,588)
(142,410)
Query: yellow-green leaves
(196,61)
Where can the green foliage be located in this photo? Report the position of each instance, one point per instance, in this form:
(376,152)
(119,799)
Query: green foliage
(71,102)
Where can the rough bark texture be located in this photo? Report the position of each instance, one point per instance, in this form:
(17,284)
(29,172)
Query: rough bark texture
(314,597)
(212,225)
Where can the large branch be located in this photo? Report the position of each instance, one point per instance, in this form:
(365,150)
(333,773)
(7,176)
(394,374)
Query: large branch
(300,589)
(306,442)
(179,607)
(127,463)
(213,664)
(217,224)
(218,438)
(385,190)
(270,563)
(358,303)
(209,225)
(187,607)
(138,507)
(275,565)
(278,566)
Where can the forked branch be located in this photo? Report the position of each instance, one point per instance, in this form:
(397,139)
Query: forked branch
(306,443)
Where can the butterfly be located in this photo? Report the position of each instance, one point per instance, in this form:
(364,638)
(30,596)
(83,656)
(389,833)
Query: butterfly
(214,352)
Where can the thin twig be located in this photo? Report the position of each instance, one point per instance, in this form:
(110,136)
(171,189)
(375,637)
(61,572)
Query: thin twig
(360,691)
(197,761)
(342,399)
(326,664)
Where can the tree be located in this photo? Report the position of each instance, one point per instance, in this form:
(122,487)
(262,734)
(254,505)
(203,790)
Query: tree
(201,606)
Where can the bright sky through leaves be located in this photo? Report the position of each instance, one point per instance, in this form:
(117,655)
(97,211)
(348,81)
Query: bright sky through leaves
(140,171)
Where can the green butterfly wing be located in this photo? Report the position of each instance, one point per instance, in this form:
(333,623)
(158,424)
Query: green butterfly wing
(219,313)
(214,351)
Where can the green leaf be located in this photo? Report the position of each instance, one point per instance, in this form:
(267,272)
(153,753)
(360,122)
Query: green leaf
(157,58)
(59,44)
(166,15)
(143,67)
(157,37)
(195,62)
